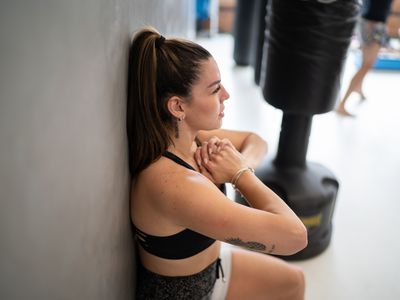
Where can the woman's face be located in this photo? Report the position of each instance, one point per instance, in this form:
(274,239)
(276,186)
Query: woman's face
(205,109)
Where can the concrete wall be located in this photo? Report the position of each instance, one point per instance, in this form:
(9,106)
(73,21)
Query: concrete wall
(64,184)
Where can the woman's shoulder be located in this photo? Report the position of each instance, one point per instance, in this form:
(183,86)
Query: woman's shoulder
(165,174)
(164,185)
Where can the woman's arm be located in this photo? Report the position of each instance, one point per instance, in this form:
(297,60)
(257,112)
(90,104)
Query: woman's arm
(194,202)
(250,145)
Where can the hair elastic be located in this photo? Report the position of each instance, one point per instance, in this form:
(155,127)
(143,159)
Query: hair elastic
(159,41)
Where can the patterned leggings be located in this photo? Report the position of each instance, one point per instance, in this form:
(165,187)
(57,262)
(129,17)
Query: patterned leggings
(192,287)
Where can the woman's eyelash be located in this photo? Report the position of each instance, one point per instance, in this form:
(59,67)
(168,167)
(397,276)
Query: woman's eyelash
(217,89)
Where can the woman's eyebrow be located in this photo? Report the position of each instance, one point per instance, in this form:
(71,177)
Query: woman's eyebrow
(214,83)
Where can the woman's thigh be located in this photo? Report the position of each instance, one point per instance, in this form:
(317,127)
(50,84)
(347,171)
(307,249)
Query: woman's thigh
(260,276)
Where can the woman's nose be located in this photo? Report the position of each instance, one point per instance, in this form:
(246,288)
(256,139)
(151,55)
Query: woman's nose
(224,95)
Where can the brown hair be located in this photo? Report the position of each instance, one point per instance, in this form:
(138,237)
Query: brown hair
(158,69)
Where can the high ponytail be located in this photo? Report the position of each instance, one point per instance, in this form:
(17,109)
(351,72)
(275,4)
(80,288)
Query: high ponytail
(158,69)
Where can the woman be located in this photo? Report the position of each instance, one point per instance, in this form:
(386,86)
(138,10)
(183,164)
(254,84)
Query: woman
(179,162)
(373,36)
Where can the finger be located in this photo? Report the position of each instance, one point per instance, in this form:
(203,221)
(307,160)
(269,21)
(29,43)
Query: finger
(197,156)
(227,144)
(220,146)
(206,173)
(210,148)
(204,152)
(213,144)
(213,148)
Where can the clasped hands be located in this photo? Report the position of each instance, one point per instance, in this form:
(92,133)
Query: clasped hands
(219,160)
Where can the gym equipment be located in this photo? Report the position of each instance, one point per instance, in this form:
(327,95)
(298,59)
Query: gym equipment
(305,49)
(248,34)
(242,29)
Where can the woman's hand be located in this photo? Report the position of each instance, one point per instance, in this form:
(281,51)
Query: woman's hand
(218,160)
(250,145)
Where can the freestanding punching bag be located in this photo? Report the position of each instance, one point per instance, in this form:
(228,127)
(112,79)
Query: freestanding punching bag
(305,49)
(248,34)
(242,32)
(261,8)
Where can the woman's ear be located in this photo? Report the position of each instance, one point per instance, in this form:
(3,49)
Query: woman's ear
(175,107)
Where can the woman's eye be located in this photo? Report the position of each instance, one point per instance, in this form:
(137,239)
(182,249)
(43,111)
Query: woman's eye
(217,89)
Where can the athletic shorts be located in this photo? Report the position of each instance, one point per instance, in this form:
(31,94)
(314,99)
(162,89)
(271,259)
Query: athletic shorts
(210,284)
(222,283)
(372,32)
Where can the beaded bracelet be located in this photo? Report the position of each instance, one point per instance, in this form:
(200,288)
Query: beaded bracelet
(237,175)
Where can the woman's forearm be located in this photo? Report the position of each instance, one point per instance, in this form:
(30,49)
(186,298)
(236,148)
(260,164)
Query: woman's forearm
(254,149)
(287,224)
(260,196)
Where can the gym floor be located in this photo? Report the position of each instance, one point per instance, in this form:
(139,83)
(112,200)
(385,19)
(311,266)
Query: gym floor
(363,259)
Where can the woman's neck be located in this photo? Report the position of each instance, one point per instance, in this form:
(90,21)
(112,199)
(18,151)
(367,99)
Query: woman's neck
(183,146)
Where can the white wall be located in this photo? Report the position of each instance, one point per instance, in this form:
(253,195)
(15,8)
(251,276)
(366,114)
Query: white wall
(64,183)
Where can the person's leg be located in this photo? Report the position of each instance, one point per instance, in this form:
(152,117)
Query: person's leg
(261,276)
(369,54)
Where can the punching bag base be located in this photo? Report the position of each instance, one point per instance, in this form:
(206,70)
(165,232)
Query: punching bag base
(310,191)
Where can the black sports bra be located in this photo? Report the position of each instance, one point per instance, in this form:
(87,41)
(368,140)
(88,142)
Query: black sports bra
(180,245)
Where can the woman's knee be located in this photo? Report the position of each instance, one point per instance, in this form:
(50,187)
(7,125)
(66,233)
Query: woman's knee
(295,285)
(291,286)
(255,275)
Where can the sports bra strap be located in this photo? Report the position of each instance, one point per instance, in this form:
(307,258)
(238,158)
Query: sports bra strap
(178,160)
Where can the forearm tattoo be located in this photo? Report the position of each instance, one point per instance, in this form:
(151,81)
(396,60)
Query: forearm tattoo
(250,245)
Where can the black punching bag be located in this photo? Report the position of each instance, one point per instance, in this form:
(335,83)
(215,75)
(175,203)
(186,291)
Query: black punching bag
(242,32)
(305,50)
(248,34)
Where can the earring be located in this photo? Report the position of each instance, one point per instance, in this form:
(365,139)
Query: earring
(176,129)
